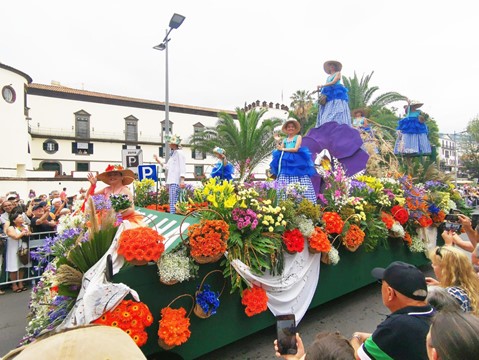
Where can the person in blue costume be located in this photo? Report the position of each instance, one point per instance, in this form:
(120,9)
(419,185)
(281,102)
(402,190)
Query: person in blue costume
(223,169)
(292,163)
(336,107)
(412,132)
(360,121)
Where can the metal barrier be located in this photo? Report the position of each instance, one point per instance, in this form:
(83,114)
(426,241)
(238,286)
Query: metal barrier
(31,271)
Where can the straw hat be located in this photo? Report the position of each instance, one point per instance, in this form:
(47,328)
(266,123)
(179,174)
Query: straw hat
(87,342)
(218,150)
(127,174)
(359,110)
(296,124)
(338,65)
(173,139)
(416,104)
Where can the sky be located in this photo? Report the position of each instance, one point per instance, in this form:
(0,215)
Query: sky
(228,53)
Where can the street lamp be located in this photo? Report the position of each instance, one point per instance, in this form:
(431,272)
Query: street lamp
(175,22)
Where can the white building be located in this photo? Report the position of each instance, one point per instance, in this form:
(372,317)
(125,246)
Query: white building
(448,154)
(52,132)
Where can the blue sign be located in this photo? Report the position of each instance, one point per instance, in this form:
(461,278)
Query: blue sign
(147,172)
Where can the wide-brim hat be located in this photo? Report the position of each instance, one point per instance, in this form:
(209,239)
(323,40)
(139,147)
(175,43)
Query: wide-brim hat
(416,104)
(173,139)
(339,66)
(127,175)
(361,110)
(296,123)
(218,150)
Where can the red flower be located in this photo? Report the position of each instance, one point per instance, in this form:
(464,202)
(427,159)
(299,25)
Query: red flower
(255,300)
(294,240)
(334,223)
(425,221)
(174,326)
(388,220)
(142,243)
(400,214)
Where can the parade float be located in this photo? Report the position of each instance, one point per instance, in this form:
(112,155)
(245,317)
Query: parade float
(195,281)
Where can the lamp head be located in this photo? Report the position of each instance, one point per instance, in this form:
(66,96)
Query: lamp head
(176,21)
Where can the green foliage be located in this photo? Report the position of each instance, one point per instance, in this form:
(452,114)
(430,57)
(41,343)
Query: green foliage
(248,141)
(470,147)
(145,192)
(302,103)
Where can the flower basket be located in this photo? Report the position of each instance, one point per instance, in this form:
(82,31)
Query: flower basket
(206,240)
(325,259)
(174,325)
(140,245)
(175,267)
(313,250)
(138,262)
(352,248)
(255,299)
(171,282)
(198,309)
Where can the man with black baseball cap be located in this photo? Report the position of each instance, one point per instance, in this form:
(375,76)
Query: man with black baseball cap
(403,334)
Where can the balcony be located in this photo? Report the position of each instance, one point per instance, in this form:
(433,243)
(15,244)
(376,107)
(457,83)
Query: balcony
(94,135)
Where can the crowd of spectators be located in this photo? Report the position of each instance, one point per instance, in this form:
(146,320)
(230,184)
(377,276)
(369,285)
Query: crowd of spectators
(22,221)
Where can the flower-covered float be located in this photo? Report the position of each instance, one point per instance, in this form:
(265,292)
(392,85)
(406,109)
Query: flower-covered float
(266,242)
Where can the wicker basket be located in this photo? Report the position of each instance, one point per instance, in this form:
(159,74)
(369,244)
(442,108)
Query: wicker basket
(161,342)
(312,250)
(197,309)
(138,262)
(325,258)
(352,248)
(207,259)
(171,282)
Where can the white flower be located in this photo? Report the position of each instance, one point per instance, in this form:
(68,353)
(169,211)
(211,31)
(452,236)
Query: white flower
(333,256)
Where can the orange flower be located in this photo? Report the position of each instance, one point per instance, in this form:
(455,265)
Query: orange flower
(408,239)
(425,221)
(208,238)
(354,237)
(388,220)
(439,217)
(128,317)
(255,300)
(174,326)
(334,223)
(319,240)
(142,243)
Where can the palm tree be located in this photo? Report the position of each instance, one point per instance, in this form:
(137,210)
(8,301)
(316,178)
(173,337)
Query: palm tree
(302,102)
(247,143)
(361,95)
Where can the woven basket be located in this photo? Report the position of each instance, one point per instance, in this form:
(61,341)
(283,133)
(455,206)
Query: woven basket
(207,259)
(312,250)
(161,342)
(171,282)
(325,258)
(352,248)
(197,309)
(138,262)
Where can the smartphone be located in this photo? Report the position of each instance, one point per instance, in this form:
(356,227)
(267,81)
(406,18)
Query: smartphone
(456,212)
(452,227)
(474,220)
(286,334)
(452,218)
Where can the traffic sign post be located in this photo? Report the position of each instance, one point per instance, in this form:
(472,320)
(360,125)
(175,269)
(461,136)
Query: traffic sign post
(132,158)
(147,172)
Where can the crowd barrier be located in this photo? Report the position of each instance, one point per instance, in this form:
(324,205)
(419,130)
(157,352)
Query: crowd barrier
(32,271)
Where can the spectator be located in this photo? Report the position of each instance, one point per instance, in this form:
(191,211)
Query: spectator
(441,300)
(63,194)
(57,206)
(16,233)
(404,293)
(451,238)
(453,335)
(40,222)
(455,273)
(31,194)
(8,207)
(326,346)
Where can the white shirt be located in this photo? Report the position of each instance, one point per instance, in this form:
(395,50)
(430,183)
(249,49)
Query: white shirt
(176,167)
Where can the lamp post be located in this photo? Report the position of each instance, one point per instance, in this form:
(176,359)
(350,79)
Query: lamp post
(175,22)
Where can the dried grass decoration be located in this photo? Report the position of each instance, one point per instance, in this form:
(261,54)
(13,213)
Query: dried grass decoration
(207,301)
(207,240)
(141,245)
(174,325)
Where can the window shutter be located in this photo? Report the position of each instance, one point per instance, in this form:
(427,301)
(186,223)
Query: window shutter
(204,155)
(45,146)
(56,146)
(193,153)
(74,148)
(162,152)
(90,148)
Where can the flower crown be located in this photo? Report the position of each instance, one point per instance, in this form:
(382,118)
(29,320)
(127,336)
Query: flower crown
(116,167)
(173,139)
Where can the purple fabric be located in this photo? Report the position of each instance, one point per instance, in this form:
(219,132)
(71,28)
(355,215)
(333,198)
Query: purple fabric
(343,142)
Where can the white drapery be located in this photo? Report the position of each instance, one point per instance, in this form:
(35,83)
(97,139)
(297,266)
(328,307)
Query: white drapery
(291,292)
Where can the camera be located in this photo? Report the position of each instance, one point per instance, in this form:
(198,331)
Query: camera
(452,227)
(452,218)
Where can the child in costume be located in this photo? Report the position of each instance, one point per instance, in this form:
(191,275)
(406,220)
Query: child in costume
(412,132)
(223,169)
(292,163)
(176,170)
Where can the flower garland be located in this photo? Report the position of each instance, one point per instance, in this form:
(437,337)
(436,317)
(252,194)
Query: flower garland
(208,238)
(255,300)
(334,223)
(141,243)
(319,241)
(354,236)
(130,316)
(174,327)
(293,240)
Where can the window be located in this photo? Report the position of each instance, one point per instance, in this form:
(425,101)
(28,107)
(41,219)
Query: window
(131,129)
(82,148)
(50,146)
(447,154)
(163,129)
(161,151)
(51,166)
(199,170)
(82,124)
(198,155)
(9,94)
(82,166)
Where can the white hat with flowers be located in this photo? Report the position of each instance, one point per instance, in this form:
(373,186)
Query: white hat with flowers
(173,139)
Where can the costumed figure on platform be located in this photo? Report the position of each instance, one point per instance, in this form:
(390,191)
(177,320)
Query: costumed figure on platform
(361,123)
(291,162)
(333,97)
(175,170)
(117,178)
(222,169)
(412,132)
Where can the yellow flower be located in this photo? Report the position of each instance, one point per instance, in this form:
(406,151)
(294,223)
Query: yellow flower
(230,202)
(271,229)
(283,222)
